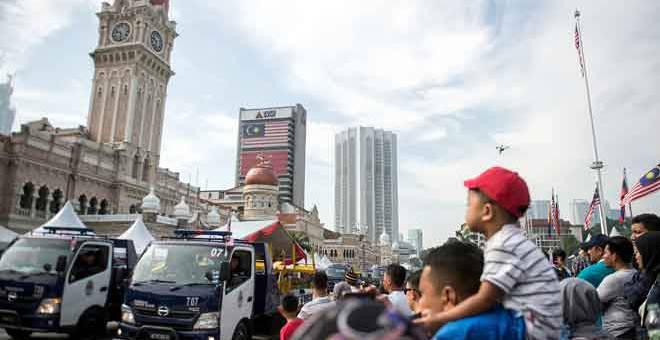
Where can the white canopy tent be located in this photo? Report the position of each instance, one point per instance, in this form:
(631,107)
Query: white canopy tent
(6,235)
(139,234)
(66,218)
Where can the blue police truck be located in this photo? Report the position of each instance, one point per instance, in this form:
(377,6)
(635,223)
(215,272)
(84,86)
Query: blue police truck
(65,280)
(200,285)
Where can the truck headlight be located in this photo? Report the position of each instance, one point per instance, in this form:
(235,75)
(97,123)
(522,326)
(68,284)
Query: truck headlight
(207,321)
(49,306)
(127,315)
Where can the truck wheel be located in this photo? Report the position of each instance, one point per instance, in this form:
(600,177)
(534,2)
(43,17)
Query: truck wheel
(18,334)
(91,325)
(242,332)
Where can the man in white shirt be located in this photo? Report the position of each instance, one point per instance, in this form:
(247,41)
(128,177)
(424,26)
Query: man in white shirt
(320,301)
(395,277)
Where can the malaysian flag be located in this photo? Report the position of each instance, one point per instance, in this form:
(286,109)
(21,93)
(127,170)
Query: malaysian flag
(595,202)
(265,134)
(578,46)
(624,192)
(648,184)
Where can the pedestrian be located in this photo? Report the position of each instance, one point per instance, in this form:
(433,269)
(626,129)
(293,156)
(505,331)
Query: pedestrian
(619,319)
(320,298)
(289,310)
(341,289)
(412,291)
(642,224)
(581,260)
(559,263)
(648,260)
(393,281)
(352,279)
(580,308)
(515,273)
(451,275)
(597,271)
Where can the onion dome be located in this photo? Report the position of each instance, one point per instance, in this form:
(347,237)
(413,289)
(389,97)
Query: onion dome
(182,210)
(151,202)
(213,217)
(262,173)
(384,239)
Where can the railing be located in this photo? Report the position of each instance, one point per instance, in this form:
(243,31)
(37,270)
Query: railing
(166,220)
(109,218)
(23,212)
(40,214)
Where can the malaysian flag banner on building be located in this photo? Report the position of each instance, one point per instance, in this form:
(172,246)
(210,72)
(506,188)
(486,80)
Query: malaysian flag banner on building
(595,203)
(648,184)
(265,134)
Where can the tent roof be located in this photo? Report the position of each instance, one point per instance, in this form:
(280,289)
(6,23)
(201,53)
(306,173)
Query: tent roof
(6,235)
(66,218)
(140,235)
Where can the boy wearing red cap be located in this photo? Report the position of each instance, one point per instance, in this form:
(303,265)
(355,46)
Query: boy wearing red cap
(516,273)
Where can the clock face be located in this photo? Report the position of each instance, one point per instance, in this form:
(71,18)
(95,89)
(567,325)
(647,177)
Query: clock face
(156,41)
(120,32)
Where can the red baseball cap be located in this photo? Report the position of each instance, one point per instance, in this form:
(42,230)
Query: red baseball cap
(505,187)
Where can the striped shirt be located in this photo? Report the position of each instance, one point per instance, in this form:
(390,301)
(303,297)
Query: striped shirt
(518,267)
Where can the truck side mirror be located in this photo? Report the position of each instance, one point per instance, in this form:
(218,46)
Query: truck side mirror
(60,267)
(225,274)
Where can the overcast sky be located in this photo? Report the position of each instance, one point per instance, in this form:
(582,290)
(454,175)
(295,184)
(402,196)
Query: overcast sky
(452,78)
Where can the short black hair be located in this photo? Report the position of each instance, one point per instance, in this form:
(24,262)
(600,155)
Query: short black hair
(509,217)
(458,263)
(290,303)
(413,279)
(397,274)
(622,247)
(650,221)
(320,280)
(560,253)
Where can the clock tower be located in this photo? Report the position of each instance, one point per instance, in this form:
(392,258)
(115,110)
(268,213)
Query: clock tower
(131,73)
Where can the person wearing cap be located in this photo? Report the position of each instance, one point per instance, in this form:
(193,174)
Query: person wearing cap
(597,271)
(352,279)
(516,273)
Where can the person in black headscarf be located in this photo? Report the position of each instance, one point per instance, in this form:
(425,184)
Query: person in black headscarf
(648,259)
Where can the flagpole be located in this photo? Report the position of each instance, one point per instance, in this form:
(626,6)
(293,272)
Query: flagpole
(597,164)
(625,175)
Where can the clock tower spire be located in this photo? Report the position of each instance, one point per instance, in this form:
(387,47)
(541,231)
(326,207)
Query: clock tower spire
(131,73)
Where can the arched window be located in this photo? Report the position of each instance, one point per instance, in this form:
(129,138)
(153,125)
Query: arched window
(104,207)
(26,198)
(57,201)
(136,165)
(42,200)
(132,209)
(93,206)
(145,171)
(82,203)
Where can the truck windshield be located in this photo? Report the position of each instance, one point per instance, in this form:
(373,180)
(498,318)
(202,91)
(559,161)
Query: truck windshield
(180,264)
(34,255)
(336,271)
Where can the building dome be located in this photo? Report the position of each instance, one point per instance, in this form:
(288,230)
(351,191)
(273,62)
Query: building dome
(262,173)
(182,210)
(384,238)
(151,203)
(213,217)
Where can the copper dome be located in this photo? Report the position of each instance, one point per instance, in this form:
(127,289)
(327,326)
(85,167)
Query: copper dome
(261,175)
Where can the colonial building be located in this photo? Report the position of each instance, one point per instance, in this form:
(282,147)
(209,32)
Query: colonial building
(109,165)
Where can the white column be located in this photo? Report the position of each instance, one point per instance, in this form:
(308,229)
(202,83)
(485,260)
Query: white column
(114,114)
(102,113)
(130,114)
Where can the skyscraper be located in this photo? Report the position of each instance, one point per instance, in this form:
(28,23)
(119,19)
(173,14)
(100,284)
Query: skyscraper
(416,238)
(539,209)
(280,134)
(366,182)
(579,209)
(7,112)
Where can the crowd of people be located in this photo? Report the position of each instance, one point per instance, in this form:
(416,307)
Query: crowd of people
(509,290)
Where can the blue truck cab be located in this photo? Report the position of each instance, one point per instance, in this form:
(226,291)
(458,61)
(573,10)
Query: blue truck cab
(199,285)
(63,283)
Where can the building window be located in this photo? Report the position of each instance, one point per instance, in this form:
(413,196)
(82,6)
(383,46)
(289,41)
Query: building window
(132,209)
(145,171)
(93,206)
(82,203)
(104,207)
(42,200)
(26,198)
(57,201)
(136,164)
